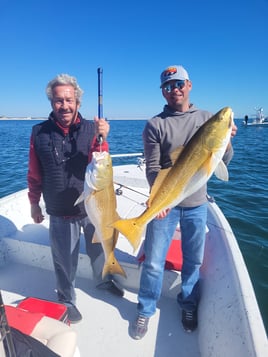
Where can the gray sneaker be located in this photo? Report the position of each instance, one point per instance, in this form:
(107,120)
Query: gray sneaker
(189,320)
(139,327)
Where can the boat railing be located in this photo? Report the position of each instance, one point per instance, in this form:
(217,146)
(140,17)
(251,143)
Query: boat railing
(138,155)
(135,154)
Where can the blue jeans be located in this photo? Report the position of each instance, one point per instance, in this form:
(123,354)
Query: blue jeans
(158,239)
(64,234)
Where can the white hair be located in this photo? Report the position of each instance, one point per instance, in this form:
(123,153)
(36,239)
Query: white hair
(64,79)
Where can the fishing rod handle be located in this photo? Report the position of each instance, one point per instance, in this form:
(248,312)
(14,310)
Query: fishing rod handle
(100,93)
(100,100)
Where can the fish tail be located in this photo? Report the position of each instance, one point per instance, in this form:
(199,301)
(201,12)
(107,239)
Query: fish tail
(130,229)
(112,267)
(80,199)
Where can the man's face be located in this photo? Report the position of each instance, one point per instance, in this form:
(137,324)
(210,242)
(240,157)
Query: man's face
(176,94)
(64,104)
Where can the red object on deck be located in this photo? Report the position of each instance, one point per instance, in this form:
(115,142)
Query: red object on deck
(174,256)
(22,320)
(48,308)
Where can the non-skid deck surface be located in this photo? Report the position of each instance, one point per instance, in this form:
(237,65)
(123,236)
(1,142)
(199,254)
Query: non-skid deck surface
(104,330)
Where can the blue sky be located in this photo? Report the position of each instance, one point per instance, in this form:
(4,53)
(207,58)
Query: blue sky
(222,44)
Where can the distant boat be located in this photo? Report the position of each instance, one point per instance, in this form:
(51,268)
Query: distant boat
(259,119)
(230,322)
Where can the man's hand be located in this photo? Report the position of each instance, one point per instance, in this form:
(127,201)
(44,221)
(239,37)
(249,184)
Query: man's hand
(36,213)
(163,214)
(102,127)
(234,130)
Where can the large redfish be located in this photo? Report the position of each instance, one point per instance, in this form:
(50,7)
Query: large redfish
(100,204)
(192,168)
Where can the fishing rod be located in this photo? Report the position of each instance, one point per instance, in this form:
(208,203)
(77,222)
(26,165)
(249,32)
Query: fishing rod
(5,333)
(100,101)
(128,188)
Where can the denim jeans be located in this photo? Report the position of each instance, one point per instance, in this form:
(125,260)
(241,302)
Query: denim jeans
(64,236)
(159,235)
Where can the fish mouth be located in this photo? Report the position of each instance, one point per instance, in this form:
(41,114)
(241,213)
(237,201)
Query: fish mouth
(100,156)
(228,111)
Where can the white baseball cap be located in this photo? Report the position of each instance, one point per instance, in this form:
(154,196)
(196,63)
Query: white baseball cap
(172,73)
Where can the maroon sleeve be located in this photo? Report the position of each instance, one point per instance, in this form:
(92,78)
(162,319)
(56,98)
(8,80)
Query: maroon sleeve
(34,176)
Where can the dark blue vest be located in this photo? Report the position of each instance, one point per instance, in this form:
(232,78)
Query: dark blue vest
(63,162)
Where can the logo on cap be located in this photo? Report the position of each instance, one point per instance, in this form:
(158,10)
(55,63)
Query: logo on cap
(170,71)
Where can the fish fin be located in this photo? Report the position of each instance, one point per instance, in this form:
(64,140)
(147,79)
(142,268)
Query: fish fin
(80,199)
(221,171)
(131,230)
(112,267)
(84,196)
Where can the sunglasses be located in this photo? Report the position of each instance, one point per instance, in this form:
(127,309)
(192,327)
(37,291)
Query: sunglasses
(170,86)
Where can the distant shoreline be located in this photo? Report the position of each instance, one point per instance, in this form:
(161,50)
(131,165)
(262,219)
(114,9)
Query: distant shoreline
(22,118)
(42,118)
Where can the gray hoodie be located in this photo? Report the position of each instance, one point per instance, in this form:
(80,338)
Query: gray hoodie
(166,132)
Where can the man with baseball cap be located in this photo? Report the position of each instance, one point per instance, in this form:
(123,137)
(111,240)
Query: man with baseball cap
(164,133)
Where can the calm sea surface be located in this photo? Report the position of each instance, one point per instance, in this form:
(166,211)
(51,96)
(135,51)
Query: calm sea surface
(244,199)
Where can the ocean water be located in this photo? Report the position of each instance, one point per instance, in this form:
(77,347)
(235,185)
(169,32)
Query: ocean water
(244,199)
